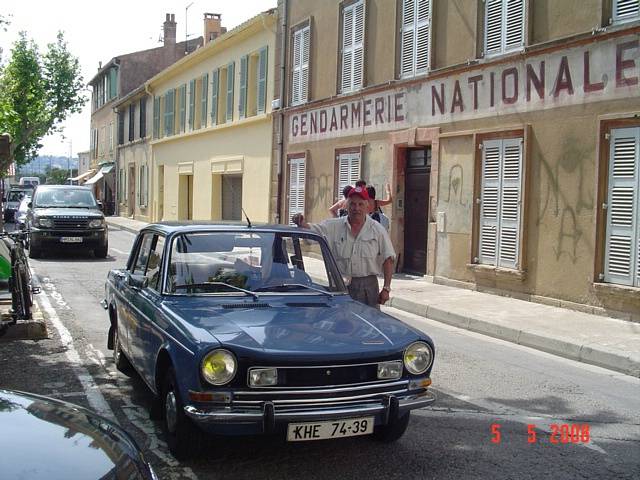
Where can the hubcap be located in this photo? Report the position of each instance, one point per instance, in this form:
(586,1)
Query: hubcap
(170,411)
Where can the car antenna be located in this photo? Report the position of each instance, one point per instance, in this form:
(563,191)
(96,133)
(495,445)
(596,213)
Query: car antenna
(247,217)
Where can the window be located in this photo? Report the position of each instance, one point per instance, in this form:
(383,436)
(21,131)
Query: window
(626,10)
(347,169)
(622,247)
(300,73)
(143,117)
(143,187)
(253,84)
(352,65)
(415,42)
(169,112)
(192,104)
(103,138)
(231,197)
(297,177)
(499,230)
(156,117)
(504,26)
(154,264)
(113,83)
(120,127)
(132,122)
(214,96)
(121,189)
(204,95)
(140,264)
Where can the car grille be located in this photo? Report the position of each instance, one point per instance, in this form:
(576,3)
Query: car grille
(323,376)
(70,222)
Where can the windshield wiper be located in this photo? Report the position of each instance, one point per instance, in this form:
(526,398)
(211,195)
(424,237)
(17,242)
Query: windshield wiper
(186,286)
(284,286)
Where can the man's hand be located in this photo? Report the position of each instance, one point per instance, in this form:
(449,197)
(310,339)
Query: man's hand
(383,297)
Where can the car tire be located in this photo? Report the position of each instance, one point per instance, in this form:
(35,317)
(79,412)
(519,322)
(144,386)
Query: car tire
(101,252)
(393,431)
(183,437)
(120,360)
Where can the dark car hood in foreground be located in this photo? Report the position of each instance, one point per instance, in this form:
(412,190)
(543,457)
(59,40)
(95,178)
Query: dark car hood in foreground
(295,325)
(42,438)
(72,212)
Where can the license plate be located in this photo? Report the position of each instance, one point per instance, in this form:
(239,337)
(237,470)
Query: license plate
(349,427)
(71,239)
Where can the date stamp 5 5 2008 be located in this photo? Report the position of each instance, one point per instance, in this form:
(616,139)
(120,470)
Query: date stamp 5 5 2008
(560,433)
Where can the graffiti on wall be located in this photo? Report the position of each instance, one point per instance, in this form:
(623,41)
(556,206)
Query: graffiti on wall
(456,183)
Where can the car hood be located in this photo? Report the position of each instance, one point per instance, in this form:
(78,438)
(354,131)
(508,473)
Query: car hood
(291,326)
(43,438)
(71,212)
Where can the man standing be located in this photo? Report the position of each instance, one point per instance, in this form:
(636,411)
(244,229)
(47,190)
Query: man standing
(361,246)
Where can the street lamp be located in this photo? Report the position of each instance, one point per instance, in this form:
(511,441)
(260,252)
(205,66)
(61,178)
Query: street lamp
(186,31)
(69,162)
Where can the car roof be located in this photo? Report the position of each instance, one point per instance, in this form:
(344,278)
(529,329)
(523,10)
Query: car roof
(171,227)
(62,187)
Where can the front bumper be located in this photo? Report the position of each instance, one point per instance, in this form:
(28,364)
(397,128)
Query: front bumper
(91,238)
(270,416)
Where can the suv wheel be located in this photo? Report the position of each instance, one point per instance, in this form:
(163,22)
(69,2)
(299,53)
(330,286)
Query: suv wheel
(101,252)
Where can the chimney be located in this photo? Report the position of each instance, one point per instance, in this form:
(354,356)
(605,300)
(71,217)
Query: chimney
(170,30)
(212,26)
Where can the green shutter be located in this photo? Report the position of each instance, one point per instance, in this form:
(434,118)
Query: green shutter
(242,102)
(262,81)
(230,78)
(169,101)
(204,97)
(113,83)
(183,107)
(192,103)
(214,96)
(156,117)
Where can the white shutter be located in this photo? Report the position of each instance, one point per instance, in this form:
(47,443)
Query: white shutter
(504,26)
(423,35)
(358,46)
(511,175)
(348,170)
(622,255)
(514,28)
(347,50)
(407,42)
(500,211)
(625,10)
(493,27)
(489,202)
(352,47)
(297,173)
(296,74)
(304,64)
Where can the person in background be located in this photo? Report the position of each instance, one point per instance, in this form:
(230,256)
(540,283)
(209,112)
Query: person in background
(361,246)
(374,205)
(339,209)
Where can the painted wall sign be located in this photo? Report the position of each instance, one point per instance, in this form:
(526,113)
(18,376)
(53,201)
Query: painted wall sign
(599,71)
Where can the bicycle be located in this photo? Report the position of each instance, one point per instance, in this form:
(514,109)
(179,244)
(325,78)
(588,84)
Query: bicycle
(14,267)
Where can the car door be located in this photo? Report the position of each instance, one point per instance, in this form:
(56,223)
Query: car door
(147,335)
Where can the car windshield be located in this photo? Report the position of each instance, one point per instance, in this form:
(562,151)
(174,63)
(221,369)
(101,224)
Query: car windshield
(64,197)
(236,263)
(16,196)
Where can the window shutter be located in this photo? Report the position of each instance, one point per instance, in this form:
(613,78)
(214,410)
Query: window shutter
(348,170)
(423,28)
(407,43)
(347,50)
(297,175)
(514,28)
(624,10)
(262,81)
(204,98)
(169,112)
(242,102)
(304,75)
(113,83)
(214,96)
(183,107)
(143,117)
(622,255)
(192,103)
(230,78)
(511,176)
(489,202)
(156,117)
(358,46)
(296,74)
(493,27)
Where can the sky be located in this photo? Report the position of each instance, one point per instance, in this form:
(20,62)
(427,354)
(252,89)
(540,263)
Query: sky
(99,31)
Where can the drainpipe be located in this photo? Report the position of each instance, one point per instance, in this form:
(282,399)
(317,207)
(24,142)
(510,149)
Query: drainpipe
(151,165)
(283,79)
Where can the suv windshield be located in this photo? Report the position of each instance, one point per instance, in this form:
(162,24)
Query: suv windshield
(265,262)
(64,197)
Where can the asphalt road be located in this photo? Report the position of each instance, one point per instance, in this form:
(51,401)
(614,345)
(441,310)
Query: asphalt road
(503,411)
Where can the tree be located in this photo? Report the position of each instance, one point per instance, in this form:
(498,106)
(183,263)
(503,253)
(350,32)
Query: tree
(58,176)
(37,93)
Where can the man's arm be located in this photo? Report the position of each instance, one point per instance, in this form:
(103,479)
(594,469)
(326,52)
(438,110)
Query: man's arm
(387,269)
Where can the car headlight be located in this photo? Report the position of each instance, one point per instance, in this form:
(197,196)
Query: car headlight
(263,377)
(418,358)
(44,222)
(219,367)
(389,370)
(96,223)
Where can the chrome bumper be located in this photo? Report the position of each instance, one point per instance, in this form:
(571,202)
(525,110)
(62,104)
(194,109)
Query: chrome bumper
(388,407)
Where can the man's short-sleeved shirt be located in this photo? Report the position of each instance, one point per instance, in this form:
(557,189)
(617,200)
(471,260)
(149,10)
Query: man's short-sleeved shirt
(357,256)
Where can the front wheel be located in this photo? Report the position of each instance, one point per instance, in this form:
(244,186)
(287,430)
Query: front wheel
(183,437)
(119,359)
(393,431)
(101,252)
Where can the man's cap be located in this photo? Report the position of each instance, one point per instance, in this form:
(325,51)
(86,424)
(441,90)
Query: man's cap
(360,191)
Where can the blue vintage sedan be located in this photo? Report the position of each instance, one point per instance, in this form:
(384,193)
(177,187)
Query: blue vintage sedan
(243,330)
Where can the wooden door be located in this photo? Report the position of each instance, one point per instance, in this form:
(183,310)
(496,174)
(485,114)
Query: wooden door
(417,178)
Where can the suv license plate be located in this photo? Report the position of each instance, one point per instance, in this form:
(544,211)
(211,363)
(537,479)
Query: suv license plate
(344,427)
(71,239)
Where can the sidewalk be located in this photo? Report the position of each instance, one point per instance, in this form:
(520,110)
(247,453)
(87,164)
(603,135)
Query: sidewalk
(593,339)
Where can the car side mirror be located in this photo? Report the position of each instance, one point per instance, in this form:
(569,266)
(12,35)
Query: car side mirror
(137,281)
(100,205)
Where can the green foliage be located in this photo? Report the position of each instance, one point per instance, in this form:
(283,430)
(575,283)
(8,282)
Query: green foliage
(37,93)
(58,176)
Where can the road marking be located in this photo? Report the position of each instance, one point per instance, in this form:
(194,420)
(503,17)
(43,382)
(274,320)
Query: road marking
(92,391)
(117,251)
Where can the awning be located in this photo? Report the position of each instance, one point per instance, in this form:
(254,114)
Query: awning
(95,178)
(82,176)
(107,168)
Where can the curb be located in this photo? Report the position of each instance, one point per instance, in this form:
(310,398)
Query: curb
(122,227)
(34,329)
(612,359)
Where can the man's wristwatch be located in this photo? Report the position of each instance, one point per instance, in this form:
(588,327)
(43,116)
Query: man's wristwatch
(388,289)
